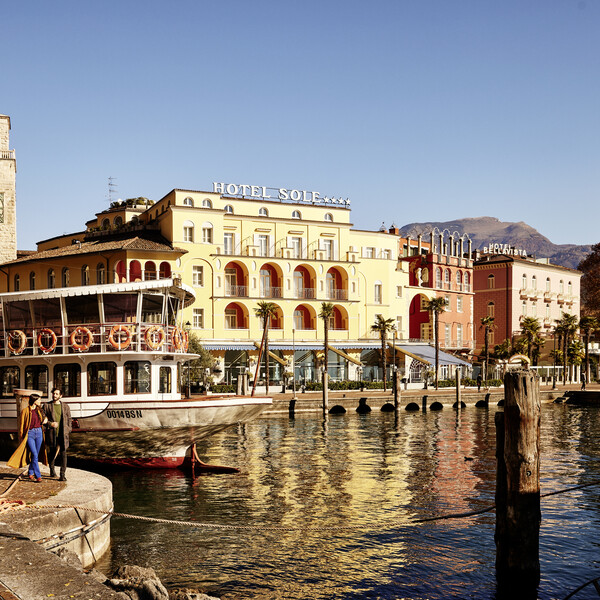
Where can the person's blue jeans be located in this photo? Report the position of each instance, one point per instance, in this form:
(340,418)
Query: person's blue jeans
(34,443)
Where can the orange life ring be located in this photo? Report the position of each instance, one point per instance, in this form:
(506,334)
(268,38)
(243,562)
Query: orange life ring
(115,338)
(177,338)
(44,334)
(186,340)
(86,336)
(21,337)
(149,337)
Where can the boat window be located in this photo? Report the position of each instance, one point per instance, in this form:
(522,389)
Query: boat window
(17,315)
(137,377)
(36,378)
(178,380)
(9,381)
(82,309)
(164,382)
(120,308)
(102,379)
(67,378)
(46,312)
(172,308)
(152,307)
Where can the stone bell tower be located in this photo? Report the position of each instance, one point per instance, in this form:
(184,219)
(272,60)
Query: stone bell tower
(8,199)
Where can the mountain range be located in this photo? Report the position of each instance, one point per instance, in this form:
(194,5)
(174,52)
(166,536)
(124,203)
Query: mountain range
(484,231)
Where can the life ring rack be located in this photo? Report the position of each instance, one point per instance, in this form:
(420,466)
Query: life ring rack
(115,339)
(150,337)
(86,337)
(22,339)
(43,335)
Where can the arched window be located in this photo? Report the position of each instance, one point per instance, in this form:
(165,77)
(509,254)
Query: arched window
(206,203)
(207,232)
(524,308)
(459,281)
(491,309)
(188,231)
(328,217)
(438,277)
(547,284)
(17,283)
(263,212)
(51,278)
(135,271)
(150,271)
(534,282)
(447,279)
(85,275)
(165,270)
(524,282)
(491,282)
(64,277)
(188,201)
(296,214)
(570,288)
(118,221)
(106,224)
(32,280)
(100,274)
(561,287)
(120,272)
(228,209)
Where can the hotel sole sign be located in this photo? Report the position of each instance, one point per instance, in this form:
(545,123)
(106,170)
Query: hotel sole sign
(258,192)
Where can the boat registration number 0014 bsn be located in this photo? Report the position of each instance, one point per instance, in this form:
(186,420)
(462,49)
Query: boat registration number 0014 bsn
(124,414)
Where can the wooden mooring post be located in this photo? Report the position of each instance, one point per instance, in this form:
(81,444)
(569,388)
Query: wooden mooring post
(325,392)
(518,513)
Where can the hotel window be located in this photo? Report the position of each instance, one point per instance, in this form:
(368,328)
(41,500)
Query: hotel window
(459,281)
(386,254)
(467,280)
(534,282)
(561,287)
(118,222)
(327,245)
(378,292)
(459,335)
(188,231)
(198,276)
(328,217)
(399,324)
(206,203)
(524,308)
(188,202)
(438,277)
(64,277)
(207,233)
(369,252)
(228,243)
(263,245)
(426,331)
(85,275)
(447,279)
(198,318)
(524,282)
(228,209)
(423,304)
(32,281)
(447,299)
(534,309)
(263,212)
(398,291)
(230,318)
(296,214)
(491,309)
(547,311)
(570,288)
(100,274)
(51,279)
(459,304)
(548,284)
(296,247)
(17,283)
(491,282)
(447,334)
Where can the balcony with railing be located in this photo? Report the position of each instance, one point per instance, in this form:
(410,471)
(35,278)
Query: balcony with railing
(333,294)
(270,292)
(236,291)
(7,154)
(305,293)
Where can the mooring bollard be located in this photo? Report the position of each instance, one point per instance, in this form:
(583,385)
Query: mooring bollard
(518,513)
(424,403)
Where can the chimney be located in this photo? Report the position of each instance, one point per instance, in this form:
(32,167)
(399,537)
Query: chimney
(394,229)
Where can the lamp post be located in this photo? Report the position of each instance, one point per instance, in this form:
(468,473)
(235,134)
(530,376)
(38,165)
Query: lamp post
(187,328)
(294,362)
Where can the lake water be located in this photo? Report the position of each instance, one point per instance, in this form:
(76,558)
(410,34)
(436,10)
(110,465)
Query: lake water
(377,473)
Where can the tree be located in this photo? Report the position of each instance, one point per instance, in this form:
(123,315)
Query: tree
(488,324)
(198,366)
(588,325)
(327,311)
(590,282)
(266,311)
(566,327)
(435,306)
(530,328)
(383,326)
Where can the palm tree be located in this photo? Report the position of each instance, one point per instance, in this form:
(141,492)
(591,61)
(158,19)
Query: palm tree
(383,326)
(488,324)
(436,306)
(327,311)
(530,328)
(266,311)
(588,325)
(568,327)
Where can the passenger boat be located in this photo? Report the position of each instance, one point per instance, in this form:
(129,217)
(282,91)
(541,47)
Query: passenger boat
(116,352)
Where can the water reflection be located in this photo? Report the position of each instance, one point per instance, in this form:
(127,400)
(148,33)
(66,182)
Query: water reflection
(378,471)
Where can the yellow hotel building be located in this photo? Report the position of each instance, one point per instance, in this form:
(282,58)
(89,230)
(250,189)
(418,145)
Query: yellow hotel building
(236,251)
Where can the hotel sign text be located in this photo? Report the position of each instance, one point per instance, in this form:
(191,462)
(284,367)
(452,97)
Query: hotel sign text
(504,249)
(259,192)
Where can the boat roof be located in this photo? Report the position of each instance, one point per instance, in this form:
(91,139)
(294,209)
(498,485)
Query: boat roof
(159,285)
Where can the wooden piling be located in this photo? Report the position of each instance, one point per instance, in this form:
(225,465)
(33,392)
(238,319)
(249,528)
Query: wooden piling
(458,398)
(518,513)
(397,382)
(325,392)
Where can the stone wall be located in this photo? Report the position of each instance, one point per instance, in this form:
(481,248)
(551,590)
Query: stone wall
(8,212)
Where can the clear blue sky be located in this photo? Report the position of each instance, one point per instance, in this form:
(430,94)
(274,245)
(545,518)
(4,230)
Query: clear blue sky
(415,110)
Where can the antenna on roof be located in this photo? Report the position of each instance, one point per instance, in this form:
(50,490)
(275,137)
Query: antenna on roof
(112,189)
